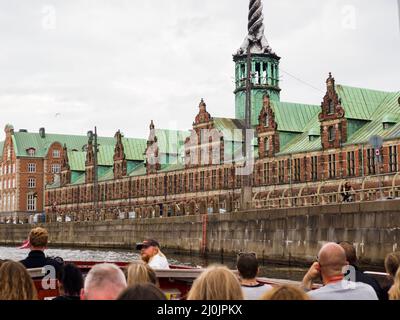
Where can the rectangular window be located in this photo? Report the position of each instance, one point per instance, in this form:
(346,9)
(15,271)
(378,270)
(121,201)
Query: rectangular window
(265,173)
(281,171)
(56,153)
(226,177)
(332,165)
(214,179)
(202,181)
(314,168)
(31,205)
(371,161)
(191,182)
(55,168)
(350,163)
(392,158)
(296,169)
(31,167)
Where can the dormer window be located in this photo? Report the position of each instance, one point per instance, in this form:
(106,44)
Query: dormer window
(56,153)
(31,152)
(331,107)
(331,134)
(388,121)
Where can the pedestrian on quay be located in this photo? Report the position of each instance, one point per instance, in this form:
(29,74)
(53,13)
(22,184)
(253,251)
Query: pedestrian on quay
(15,282)
(359,276)
(104,281)
(247,266)
(329,268)
(150,253)
(217,282)
(38,239)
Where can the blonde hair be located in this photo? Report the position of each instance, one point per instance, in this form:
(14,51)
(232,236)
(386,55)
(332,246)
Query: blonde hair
(16,283)
(217,282)
(285,292)
(392,262)
(140,272)
(394,292)
(38,237)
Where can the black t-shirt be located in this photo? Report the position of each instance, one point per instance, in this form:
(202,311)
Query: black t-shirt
(37,259)
(362,277)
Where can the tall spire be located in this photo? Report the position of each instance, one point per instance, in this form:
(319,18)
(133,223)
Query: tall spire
(255,39)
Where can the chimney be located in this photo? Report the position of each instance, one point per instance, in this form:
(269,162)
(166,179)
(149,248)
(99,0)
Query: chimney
(42,133)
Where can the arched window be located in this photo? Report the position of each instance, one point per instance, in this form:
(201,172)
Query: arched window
(331,134)
(266,146)
(331,107)
(266,120)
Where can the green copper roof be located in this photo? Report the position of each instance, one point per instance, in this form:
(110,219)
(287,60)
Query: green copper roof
(390,118)
(360,103)
(293,117)
(134,148)
(170,141)
(77,160)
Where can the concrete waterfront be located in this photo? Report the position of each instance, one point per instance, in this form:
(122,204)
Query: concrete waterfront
(279,235)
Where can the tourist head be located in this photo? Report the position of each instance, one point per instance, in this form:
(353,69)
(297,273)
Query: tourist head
(394,292)
(104,281)
(285,292)
(392,263)
(351,254)
(38,238)
(216,283)
(140,272)
(331,259)
(247,265)
(142,291)
(15,282)
(148,249)
(71,280)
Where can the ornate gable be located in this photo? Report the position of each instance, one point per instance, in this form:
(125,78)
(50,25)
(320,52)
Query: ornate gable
(151,153)
(332,118)
(267,131)
(120,167)
(65,168)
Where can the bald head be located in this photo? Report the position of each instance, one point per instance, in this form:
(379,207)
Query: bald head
(104,282)
(332,259)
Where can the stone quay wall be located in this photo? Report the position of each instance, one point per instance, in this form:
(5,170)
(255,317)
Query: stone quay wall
(291,235)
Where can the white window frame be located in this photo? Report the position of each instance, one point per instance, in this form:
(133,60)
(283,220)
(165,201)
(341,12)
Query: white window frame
(31,183)
(32,167)
(31,202)
(56,153)
(55,165)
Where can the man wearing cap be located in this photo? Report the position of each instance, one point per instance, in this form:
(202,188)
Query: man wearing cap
(151,254)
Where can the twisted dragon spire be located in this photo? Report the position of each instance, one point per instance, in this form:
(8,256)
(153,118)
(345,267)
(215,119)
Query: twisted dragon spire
(255,39)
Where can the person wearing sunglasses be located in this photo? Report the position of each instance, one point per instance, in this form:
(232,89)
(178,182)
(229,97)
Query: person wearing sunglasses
(150,253)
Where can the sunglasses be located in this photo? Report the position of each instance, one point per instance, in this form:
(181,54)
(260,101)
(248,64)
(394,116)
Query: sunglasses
(247,254)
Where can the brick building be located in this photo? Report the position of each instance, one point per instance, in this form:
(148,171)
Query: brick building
(303,154)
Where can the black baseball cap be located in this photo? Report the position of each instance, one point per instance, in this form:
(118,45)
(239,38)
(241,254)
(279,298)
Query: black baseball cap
(147,243)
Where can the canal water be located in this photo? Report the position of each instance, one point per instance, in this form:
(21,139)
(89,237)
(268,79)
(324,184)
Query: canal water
(113,255)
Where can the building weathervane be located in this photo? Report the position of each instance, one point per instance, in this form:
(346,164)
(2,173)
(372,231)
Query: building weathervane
(255,40)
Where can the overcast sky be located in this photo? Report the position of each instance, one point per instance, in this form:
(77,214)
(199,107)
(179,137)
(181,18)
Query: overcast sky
(70,65)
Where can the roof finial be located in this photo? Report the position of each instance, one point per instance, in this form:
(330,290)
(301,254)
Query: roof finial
(255,39)
(151,125)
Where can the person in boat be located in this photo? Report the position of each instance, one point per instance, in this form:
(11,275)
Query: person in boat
(247,266)
(15,282)
(150,253)
(394,292)
(38,239)
(142,291)
(217,282)
(70,283)
(105,281)
(330,268)
(392,263)
(285,292)
(360,276)
(140,272)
